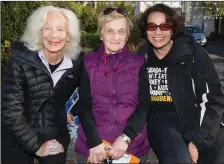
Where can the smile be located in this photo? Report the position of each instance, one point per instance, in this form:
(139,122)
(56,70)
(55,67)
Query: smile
(53,43)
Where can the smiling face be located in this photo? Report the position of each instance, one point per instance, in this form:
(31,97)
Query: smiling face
(54,32)
(158,38)
(114,34)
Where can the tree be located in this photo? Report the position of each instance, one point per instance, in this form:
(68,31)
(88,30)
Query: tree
(216,8)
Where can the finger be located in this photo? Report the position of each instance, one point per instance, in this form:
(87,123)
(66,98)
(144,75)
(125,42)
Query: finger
(111,152)
(118,154)
(194,157)
(61,148)
(91,159)
(115,155)
(95,159)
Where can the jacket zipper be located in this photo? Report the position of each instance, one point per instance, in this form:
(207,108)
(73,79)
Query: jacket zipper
(52,88)
(114,101)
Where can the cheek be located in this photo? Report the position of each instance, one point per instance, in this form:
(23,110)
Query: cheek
(169,35)
(149,35)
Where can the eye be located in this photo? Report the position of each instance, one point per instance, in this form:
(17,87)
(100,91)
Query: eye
(122,32)
(109,31)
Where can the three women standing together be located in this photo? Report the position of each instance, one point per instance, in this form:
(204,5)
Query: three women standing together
(170,90)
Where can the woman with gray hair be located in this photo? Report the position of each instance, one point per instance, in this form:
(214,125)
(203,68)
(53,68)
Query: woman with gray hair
(42,74)
(113,95)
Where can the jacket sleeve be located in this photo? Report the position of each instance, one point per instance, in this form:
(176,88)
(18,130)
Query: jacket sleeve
(209,98)
(85,113)
(13,118)
(137,120)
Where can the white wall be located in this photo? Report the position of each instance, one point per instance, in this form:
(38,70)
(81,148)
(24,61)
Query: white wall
(209,26)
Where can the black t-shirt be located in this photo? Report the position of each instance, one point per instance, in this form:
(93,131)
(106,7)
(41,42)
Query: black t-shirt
(158,83)
(55,66)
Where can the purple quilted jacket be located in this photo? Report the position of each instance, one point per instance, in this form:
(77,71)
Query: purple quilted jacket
(115,97)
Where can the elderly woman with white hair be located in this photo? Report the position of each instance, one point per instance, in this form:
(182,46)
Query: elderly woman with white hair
(41,75)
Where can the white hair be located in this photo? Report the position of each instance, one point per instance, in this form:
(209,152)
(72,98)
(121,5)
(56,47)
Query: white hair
(32,33)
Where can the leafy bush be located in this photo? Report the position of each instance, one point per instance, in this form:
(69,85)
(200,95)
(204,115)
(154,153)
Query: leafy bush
(90,41)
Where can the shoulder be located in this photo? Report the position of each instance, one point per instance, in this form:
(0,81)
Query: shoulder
(90,56)
(21,52)
(143,50)
(135,58)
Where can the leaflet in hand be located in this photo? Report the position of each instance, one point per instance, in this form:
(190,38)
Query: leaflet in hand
(72,101)
(127,158)
(72,127)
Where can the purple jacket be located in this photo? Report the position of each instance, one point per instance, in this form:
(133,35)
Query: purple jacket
(114,97)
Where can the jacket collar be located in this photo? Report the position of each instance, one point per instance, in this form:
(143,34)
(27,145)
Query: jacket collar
(22,53)
(66,63)
(119,55)
(113,59)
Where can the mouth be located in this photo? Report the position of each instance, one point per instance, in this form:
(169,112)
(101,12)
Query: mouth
(115,43)
(158,39)
(53,43)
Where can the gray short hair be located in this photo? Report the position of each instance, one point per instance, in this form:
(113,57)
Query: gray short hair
(32,33)
(103,19)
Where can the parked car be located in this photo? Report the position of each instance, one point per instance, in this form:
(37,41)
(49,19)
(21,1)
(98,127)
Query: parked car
(197,33)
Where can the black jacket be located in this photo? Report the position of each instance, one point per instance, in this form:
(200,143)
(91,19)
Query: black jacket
(32,109)
(194,87)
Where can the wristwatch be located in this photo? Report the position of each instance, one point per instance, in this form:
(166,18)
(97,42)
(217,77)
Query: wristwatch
(126,138)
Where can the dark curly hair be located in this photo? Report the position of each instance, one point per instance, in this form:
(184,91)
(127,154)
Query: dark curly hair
(176,21)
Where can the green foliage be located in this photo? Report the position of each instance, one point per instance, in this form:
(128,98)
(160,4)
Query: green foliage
(89,19)
(216,8)
(90,41)
(135,40)
(13,18)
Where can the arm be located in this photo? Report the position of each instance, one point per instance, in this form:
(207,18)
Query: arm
(209,97)
(85,111)
(13,119)
(137,120)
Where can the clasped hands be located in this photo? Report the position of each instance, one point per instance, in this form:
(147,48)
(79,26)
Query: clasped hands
(99,153)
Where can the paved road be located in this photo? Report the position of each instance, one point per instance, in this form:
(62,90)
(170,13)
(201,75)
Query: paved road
(215,49)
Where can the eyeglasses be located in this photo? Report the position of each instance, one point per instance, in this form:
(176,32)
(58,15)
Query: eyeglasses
(111,32)
(163,26)
(121,11)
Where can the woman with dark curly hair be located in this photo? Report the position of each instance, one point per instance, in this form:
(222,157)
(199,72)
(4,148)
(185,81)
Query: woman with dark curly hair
(187,105)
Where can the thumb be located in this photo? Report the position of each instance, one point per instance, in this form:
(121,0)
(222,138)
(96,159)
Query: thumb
(193,152)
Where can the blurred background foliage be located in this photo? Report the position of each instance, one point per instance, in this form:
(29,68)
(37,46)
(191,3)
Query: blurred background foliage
(14,16)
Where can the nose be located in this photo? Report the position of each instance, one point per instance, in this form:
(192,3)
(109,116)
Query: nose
(158,31)
(54,34)
(116,36)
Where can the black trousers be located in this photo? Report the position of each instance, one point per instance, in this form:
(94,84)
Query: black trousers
(166,140)
(13,154)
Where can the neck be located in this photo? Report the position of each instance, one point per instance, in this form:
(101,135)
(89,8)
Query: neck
(162,52)
(53,58)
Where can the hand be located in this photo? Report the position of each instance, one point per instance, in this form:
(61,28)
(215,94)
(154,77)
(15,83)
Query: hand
(193,152)
(97,154)
(119,148)
(45,148)
(70,118)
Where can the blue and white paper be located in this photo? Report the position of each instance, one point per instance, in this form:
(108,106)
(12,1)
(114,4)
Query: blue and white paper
(73,127)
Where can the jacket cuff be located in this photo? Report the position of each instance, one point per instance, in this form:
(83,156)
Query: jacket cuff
(199,142)
(94,140)
(130,132)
